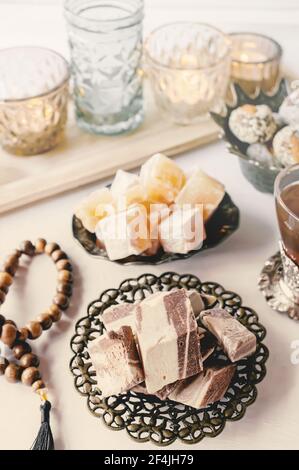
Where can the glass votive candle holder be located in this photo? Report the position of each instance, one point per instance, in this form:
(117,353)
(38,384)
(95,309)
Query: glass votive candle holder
(105,38)
(33,99)
(255,62)
(188,65)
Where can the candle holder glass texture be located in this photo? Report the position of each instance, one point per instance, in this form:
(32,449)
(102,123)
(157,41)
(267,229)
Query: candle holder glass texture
(255,62)
(105,38)
(33,99)
(188,65)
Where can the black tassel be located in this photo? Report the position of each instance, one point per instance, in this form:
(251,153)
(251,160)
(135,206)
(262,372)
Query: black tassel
(44,439)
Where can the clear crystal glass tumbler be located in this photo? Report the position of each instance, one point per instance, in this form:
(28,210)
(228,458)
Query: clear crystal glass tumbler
(105,38)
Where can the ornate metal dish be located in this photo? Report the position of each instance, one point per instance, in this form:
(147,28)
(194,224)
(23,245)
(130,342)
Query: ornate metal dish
(271,284)
(262,177)
(146,418)
(223,223)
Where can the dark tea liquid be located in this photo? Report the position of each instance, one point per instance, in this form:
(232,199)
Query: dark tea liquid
(289,220)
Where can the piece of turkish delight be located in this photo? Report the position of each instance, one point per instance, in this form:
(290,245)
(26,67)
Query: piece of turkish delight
(196,302)
(120,315)
(125,233)
(162,178)
(115,358)
(127,190)
(202,189)
(235,339)
(166,331)
(98,205)
(183,230)
(205,388)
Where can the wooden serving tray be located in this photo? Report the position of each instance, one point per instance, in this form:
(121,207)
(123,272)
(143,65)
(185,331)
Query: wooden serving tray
(84,158)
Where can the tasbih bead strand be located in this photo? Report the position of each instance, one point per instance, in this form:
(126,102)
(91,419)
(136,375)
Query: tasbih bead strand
(20,349)
(26,370)
(8,334)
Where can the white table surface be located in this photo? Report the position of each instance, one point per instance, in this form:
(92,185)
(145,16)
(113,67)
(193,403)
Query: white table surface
(273,421)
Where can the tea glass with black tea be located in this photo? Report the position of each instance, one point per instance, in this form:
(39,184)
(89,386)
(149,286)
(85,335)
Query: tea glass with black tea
(287,206)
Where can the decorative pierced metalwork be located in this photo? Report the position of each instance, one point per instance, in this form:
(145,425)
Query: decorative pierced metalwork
(274,288)
(223,223)
(147,418)
(261,176)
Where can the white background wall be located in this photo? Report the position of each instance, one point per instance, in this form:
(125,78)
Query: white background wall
(223,4)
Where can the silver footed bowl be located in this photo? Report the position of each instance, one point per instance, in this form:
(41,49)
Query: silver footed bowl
(261,176)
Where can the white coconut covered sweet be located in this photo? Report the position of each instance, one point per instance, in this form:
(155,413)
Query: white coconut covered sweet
(261,154)
(252,124)
(286,146)
(289,110)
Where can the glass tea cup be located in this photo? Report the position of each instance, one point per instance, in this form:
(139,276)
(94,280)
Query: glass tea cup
(287,206)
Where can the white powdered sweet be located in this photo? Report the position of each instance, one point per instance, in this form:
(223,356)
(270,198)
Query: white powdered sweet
(125,233)
(162,178)
(183,230)
(202,189)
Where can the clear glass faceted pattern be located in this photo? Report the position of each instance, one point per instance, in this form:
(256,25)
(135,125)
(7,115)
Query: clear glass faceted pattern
(105,38)
(33,99)
(188,65)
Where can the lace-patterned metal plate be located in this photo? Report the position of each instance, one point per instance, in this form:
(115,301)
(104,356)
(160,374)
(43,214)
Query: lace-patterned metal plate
(223,223)
(147,418)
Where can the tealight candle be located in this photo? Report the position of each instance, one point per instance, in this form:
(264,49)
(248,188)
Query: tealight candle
(255,62)
(188,65)
(33,99)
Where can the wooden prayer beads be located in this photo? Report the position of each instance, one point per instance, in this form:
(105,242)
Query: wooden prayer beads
(26,369)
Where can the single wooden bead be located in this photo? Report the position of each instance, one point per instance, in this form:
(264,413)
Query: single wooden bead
(29,360)
(38,385)
(3,364)
(30,375)
(64,264)
(20,349)
(58,255)
(2,296)
(65,276)
(55,313)
(5,280)
(5,289)
(50,247)
(27,247)
(62,301)
(35,329)
(64,288)
(16,253)
(11,264)
(22,334)
(40,246)
(10,322)
(8,334)
(45,320)
(13,372)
